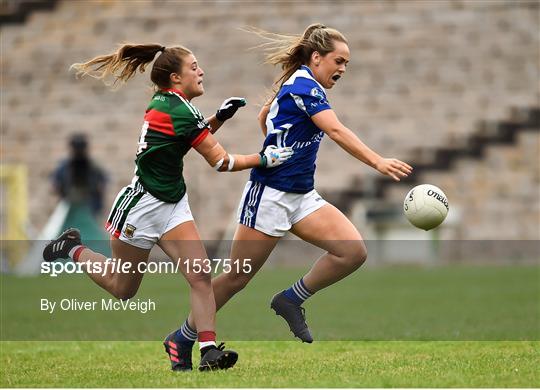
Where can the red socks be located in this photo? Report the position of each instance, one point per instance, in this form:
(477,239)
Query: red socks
(207,338)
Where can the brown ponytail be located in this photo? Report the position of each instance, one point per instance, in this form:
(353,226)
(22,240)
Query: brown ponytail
(123,64)
(292,51)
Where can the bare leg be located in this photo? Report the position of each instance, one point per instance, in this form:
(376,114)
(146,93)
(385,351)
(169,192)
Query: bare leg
(250,244)
(181,243)
(330,230)
(120,285)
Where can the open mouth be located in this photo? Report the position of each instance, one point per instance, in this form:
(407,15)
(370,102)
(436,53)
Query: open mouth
(336,77)
(200,82)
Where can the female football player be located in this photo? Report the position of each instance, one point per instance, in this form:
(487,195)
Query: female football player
(284,199)
(154,208)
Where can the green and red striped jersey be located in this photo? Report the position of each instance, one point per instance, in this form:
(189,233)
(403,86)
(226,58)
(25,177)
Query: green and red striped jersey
(172,125)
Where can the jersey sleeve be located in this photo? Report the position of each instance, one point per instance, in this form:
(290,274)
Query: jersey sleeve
(189,124)
(309,96)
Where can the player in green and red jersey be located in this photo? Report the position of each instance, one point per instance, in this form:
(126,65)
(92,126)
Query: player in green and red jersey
(154,208)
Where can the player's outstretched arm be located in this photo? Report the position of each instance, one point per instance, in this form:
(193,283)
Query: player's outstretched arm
(218,158)
(328,122)
(226,111)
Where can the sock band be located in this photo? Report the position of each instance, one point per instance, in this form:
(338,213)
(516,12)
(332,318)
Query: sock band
(206,339)
(205,344)
(301,290)
(188,332)
(75,252)
(207,335)
(298,292)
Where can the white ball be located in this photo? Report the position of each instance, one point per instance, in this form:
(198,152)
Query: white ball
(425,206)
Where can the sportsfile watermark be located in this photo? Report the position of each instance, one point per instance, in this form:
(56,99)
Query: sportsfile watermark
(438,290)
(113,266)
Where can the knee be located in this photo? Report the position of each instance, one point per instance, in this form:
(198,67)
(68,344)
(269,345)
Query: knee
(360,254)
(355,256)
(200,281)
(124,293)
(237,282)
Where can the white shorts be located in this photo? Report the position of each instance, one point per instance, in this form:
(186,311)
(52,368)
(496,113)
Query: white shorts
(274,212)
(140,219)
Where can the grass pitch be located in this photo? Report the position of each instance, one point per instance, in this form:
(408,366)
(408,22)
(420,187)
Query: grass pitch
(414,327)
(277,364)
(402,303)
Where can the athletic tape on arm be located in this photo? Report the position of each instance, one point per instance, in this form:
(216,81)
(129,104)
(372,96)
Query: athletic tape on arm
(219,164)
(231,162)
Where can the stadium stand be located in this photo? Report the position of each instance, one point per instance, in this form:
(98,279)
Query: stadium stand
(494,177)
(16,11)
(422,75)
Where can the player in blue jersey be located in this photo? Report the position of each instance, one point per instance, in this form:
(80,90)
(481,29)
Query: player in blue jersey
(284,199)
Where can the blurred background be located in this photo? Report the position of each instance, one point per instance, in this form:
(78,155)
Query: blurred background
(451,87)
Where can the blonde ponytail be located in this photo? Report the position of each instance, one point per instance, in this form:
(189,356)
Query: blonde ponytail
(292,51)
(129,59)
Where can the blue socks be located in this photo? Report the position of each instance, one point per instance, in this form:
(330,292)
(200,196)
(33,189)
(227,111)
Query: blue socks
(186,334)
(298,292)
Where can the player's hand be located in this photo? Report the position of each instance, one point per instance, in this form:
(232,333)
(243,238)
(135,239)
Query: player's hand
(273,156)
(394,168)
(229,107)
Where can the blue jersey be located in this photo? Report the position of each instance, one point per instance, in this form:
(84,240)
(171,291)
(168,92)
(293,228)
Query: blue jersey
(289,124)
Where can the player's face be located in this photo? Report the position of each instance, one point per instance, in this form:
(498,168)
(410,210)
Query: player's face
(330,68)
(191,78)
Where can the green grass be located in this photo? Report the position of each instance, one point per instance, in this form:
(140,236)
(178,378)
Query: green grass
(381,327)
(402,303)
(277,364)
